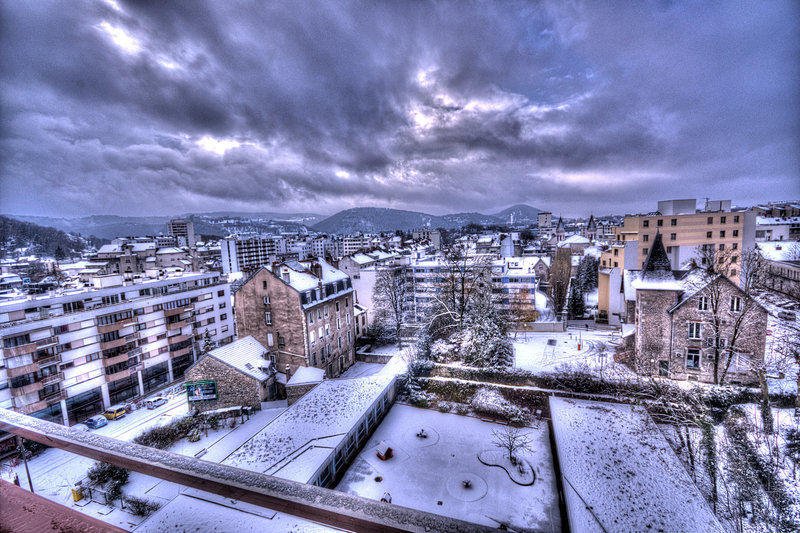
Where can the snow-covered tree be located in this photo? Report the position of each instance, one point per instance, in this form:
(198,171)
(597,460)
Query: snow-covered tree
(390,294)
(577,308)
(587,274)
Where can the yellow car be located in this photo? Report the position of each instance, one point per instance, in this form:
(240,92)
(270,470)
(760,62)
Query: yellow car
(113,413)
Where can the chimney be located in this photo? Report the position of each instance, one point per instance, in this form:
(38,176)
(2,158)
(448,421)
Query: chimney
(316,269)
(288,372)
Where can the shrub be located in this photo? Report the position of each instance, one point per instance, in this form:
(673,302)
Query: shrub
(102,473)
(140,506)
(165,436)
(443,407)
(492,403)
(462,409)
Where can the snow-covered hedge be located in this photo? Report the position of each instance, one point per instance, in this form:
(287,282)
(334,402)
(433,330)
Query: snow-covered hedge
(491,402)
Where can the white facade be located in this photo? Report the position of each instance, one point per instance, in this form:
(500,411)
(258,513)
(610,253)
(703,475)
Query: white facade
(68,356)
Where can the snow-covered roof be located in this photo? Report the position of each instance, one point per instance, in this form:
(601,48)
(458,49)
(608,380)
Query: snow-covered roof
(301,278)
(362,259)
(780,250)
(245,355)
(777,221)
(170,250)
(109,249)
(300,441)
(306,374)
(574,239)
(594,251)
(619,472)
(143,246)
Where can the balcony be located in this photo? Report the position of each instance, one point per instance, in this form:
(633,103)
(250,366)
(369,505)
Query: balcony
(110,361)
(181,352)
(179,310)
(116,326)
(177,325)
(46,361)
(32,407)
(113,344)
(22,370)
(54,397)
(119,375)
(27,389)
(49,379)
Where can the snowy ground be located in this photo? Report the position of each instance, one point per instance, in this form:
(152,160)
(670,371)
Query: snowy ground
(427,474)
(591,350)
(55,471)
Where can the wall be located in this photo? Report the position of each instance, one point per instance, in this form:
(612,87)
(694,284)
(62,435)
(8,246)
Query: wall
(233,387)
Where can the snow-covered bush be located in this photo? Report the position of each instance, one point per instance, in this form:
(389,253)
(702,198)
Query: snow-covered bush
(140,506)
(102,473)
(491,402)
(443,351)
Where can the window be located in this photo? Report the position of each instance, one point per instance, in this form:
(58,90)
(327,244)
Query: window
(740,363)
(327,330)
(644,251)
(645,238)
(736,233)
(646,224)
(693,358)
(722,220)
(616,264)
(710,220)
(220,293)
(19,340)
(224,329)
(721,246)
(93,357)
(312,338)
(222,305)
(736,219)
(310,318)
(702,303)
(270,339)
(708,235)
(268,318)
(338,323)
(346,303)
(663,369)
(694,330)
(673,222)
(669,249)
(319,314)
(337,307)
(659,223)
(722,234)
(313,358)
(264,284)
(673,236)
(223,316)
(326,311)
(340,342)
(616,251)
(735,246)
(736,304)
(158,307)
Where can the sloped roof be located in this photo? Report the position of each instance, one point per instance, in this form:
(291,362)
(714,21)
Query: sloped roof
(244,355)
(306,374)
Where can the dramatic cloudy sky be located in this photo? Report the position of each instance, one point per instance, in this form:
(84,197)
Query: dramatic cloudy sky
(170,107)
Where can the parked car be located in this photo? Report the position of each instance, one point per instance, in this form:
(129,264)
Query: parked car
(97,421)
(158,401)
(115,412)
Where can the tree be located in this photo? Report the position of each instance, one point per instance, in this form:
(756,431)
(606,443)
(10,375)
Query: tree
(484,342)
(577,308)
(390,290)
(587,274)
(512,441)
(208,343)
(560,274)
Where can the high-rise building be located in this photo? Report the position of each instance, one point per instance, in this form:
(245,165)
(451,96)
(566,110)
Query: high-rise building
(183,231)
(68,356)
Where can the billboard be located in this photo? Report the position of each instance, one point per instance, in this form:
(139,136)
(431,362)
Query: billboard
(200,391)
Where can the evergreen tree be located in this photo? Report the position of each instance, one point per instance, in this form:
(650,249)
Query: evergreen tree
(577,308)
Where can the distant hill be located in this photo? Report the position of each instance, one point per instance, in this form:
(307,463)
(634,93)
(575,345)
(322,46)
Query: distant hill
(307,219)
(377,219)
(462,219)
(25,238)
(519,213)
(103,226)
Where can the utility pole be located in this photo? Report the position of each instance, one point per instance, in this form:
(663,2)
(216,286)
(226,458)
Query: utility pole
(21,449)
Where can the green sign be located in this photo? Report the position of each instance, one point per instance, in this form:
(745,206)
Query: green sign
(200,391)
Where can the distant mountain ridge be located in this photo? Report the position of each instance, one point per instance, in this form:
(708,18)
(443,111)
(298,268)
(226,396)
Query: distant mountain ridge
(349,221)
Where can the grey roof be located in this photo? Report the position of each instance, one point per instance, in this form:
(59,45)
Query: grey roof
(657,264)
(245,355)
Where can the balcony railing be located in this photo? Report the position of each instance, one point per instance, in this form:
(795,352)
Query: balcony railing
(56,396)
(26,389)
(50,360)
(52,378)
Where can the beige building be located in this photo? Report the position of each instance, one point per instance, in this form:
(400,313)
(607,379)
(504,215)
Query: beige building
(302,312)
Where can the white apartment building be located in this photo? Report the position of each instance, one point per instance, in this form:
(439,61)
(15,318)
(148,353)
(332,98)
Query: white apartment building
(69,355)
(239,253)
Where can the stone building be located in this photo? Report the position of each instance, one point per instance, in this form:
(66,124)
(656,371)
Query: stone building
(242,372)
(674,316)
(302,312)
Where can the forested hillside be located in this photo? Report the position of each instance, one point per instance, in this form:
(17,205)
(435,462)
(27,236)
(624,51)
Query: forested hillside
(24,238)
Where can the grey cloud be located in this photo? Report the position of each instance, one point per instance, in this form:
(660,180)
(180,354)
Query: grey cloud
(652,100)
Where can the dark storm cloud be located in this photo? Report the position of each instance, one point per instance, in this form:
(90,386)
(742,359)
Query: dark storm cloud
(164,107)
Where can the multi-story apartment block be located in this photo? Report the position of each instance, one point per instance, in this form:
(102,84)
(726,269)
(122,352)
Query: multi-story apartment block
(777,229)
(545,220)
(355,243)
(302,312)
(69,355)
(684,229)
(241,253)
(432,236)
(183,231)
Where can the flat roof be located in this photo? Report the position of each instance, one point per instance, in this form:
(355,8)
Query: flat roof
(619,472)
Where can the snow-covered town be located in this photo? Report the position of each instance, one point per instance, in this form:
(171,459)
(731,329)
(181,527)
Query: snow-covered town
(433,266)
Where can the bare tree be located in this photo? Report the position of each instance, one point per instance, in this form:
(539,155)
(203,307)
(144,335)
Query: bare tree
(733,311)
(391,290)
(560,274)
(512,440)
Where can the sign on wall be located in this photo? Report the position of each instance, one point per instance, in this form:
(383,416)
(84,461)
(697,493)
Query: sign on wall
(200,391)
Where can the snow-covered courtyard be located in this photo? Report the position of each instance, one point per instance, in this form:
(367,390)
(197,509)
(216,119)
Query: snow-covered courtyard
(590,349)
(429,473)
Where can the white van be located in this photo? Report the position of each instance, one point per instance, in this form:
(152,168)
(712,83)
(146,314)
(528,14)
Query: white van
(158,401)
